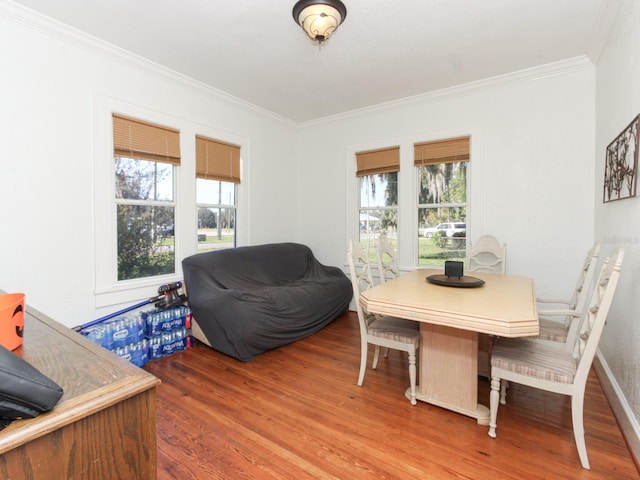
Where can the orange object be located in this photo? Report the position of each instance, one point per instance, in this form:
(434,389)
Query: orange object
(11,320)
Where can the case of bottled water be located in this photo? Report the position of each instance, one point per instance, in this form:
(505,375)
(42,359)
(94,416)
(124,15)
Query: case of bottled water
(142,336)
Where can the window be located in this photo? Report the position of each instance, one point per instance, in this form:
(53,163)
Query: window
(145,158)
(442,200)
(217,177)
(377,173)
(153,203)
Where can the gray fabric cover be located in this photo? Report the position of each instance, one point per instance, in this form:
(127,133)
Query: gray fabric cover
(248,300)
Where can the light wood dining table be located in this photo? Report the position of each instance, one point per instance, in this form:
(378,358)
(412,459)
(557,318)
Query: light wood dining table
(451,319)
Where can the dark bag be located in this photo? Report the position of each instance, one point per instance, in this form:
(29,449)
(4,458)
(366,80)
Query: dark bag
(24,391)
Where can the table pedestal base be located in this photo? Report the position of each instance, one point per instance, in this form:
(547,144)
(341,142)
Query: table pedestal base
(481,413)
(449,370)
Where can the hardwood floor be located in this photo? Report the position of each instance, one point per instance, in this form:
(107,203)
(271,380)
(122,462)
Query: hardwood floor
(296,413)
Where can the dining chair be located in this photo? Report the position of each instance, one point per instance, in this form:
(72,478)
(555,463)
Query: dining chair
(551,367)
(487,255)
(387,256)
(560,324)
(378,330)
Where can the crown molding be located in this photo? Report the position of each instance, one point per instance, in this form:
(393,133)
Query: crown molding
(53,28)
(521,76)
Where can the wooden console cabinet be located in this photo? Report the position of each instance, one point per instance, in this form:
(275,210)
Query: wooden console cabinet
(104,425)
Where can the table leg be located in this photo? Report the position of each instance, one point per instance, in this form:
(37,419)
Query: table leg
(449,370)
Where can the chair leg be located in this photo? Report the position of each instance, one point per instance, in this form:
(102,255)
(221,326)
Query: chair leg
(491,342)
(503,392)
(412,377)
(363,361)
(386,352)
(376,356)
(494,396)
(577,402)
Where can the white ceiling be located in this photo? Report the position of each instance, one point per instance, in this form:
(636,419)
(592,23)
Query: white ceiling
(385,50)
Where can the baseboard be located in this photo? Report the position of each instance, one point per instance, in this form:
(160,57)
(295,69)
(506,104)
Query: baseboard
(621,409)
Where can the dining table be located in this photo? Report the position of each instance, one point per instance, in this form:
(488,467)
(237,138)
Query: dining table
(452,314)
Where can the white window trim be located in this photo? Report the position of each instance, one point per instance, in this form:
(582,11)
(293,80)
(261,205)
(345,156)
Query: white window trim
(108,291)
(407,187)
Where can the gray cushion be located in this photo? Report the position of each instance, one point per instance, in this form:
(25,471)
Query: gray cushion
(534,359)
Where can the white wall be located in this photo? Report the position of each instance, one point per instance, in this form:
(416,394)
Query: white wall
(532,168)
(52,81)
(617,223)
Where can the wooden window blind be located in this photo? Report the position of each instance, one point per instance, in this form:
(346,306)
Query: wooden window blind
(217,160)
(146,141)
(378,161)
(442,151)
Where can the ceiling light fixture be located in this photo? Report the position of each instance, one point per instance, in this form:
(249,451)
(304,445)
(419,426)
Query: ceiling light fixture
(319,18)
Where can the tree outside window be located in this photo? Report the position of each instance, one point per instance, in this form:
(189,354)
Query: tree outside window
(145,218)
(377,172)
(216,202)
(217,180)
(442,200)
(378,210)
(145,157)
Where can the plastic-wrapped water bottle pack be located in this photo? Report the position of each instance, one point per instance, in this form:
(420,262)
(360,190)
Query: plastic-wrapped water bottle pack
(142,336)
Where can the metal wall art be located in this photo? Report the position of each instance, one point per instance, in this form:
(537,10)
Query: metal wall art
(621,165)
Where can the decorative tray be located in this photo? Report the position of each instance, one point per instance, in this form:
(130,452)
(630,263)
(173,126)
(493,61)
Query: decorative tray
(468,282)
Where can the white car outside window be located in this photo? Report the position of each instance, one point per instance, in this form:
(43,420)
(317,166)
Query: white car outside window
(451,229)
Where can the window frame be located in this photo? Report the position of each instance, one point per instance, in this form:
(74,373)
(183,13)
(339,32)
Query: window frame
(436,206)
(407,186)
(122,202)
(220,206)
(108,291)
(372,235)
(382,161)
(145,147)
